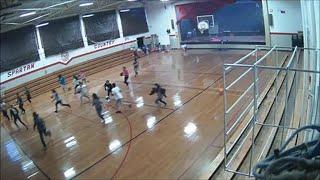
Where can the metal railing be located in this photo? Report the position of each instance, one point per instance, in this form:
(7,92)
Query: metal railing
(265,64)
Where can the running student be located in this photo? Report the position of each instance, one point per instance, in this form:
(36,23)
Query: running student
(82,77)
(108,87)
(20,103)
(4,109)
(125,73)
(75,83)
(58,100)
(27,93)
(116,91)
(98,105)
(62,82)
(15,116)
(42,130)
(83,91)
(161,92)
(136,65)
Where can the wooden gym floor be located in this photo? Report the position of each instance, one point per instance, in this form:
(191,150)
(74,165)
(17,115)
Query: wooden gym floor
(145,141)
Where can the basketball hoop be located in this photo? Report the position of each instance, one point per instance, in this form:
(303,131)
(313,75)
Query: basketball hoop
(202,26)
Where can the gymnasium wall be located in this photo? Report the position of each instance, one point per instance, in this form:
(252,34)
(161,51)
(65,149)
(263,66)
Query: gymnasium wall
(287,20)
(51,63)
(164,13)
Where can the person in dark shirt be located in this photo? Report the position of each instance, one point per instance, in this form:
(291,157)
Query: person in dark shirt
(55,96)
(14,113)
(27,93)
(20,103)
(4,109)
(161,92)
(42,130)
(108,87)
(98,105)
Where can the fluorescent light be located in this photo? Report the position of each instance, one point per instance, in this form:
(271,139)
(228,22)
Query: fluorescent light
(190,128)
(86,4)
(114,145)
(164,0)
(69,173)
(28,14)
(124,10)
(151,121)
(32,175)
(43,24)
(69,139)
(131,0)
(87,15)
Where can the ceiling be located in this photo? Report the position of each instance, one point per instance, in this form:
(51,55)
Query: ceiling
(52,9)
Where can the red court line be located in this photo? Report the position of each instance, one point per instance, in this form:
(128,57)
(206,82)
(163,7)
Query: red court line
(71,59)
(129,146)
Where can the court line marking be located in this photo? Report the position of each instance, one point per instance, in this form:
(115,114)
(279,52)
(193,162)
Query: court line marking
(210,144)
(129,141)
(128,149)
(149,105)
(24,152)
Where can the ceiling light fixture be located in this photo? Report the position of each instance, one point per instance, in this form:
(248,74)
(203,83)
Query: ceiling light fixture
(87,15)
(164,0)
(43,24)
(124,10)
(28,14)
(86,4)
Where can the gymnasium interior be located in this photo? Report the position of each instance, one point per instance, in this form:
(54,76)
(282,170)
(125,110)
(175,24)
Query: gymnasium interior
(199,89)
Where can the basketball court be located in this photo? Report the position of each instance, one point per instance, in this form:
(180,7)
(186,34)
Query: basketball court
(225,65)
(176,141)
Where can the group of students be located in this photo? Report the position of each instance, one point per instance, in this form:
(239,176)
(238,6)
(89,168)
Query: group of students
(14,112)
(79,84)
(15,115)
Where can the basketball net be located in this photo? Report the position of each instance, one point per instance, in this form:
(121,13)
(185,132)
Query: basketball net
(202,26)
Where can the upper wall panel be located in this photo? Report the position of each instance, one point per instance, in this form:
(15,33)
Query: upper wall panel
(61,35)
(18,47)
(133,21)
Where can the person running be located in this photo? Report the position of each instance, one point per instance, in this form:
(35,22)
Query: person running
(161,92)
(136,66)
(42,130)
(4,109)
(62,82)
(75,83)
(108,87)
(55,96)
(82,77)
(83,91)
(116,91)
(19,101)
(14,113)
(98,105)
(27,93)
(125,73)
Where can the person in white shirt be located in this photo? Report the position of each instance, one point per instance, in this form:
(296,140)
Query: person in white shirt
(116,91)
(83,91)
